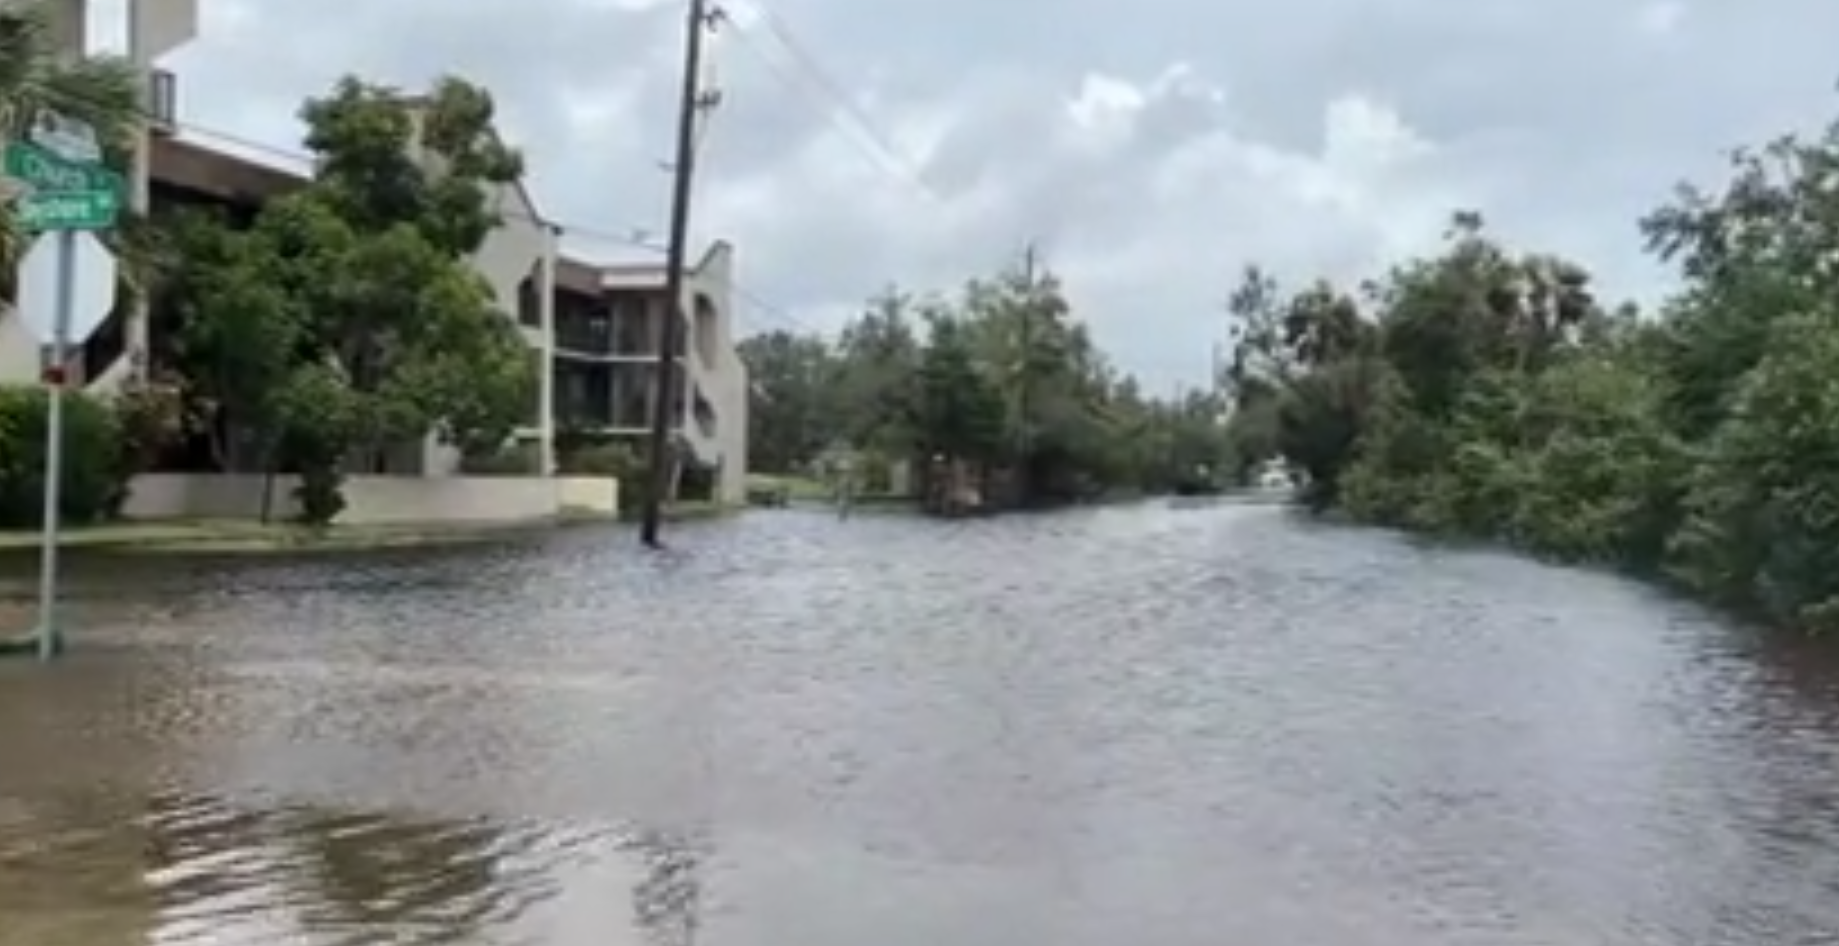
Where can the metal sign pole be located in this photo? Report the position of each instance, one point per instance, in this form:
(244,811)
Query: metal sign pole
(50,638)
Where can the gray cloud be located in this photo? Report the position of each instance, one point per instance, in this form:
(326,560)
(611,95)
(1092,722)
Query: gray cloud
(1153,147)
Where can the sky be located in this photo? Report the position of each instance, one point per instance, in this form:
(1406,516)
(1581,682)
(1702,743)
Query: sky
(1150,149)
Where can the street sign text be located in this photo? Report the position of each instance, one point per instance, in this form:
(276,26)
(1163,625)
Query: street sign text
(40,169)
(69,210)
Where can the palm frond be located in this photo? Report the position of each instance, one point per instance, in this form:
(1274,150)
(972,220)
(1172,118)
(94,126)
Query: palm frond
(13,243)
(35,75)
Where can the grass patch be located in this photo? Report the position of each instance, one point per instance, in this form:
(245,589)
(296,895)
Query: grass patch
(227,537)
(796,488)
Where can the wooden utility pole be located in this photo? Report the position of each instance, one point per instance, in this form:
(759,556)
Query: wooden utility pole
(689,105)
(1025,374)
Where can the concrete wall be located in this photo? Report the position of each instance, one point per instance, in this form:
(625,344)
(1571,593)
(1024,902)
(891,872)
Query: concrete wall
(369,499)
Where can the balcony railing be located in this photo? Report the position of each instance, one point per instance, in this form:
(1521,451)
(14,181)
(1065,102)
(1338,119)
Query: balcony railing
(599,334)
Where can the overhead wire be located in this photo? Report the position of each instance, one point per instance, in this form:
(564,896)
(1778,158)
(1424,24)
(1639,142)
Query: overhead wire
(763,30)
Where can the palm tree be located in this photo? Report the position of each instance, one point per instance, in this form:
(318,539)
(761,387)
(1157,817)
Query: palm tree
(35,74)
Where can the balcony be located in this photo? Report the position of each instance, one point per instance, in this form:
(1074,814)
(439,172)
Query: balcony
(610,395)
(583,396)
(637,325)
(582,325)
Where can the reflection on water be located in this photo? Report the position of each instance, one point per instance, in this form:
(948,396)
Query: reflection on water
(202,870)
(1217,726)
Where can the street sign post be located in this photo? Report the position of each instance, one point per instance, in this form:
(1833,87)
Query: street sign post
(63,194)
(92,296)
(66,288)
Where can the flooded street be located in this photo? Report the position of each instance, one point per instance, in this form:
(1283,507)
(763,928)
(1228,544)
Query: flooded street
(1128,726)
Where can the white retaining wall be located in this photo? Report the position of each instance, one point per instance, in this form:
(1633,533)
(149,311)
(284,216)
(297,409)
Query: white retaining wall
(369,499)
(597,495)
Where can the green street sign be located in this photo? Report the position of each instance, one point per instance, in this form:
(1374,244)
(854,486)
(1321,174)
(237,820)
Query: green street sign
(43,170)
(69,210)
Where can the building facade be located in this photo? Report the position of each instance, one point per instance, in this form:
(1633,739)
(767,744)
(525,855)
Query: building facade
(609,328)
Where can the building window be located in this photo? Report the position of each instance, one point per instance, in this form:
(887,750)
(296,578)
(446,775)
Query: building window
(529,303)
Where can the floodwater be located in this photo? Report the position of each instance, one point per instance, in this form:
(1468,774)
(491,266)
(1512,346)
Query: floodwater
(1145,726)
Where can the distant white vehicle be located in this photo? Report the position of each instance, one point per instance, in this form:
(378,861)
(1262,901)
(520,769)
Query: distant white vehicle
(1275,477)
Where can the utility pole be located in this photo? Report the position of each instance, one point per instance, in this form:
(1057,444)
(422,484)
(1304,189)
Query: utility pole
(689,105)
(1177,416)
(1025,373)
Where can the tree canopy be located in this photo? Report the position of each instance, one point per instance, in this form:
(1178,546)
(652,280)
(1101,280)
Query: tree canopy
(999,375)
(347,320)
(1490,393)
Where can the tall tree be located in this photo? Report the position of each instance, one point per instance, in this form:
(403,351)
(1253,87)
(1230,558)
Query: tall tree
(880,354)
(957,411)
(1000,375)
(789,417)
(1482,391)
(348,319)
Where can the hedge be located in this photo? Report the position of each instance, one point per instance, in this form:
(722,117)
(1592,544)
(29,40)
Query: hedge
(95,467)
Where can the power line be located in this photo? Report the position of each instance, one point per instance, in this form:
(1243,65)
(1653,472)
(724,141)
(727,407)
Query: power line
(808,64)
(801,72)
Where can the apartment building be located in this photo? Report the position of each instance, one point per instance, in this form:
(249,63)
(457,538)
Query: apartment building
(608,330)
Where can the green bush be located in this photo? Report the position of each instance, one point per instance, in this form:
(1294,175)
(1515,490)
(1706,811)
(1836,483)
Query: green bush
(95,474)
(523,459)
(606,459)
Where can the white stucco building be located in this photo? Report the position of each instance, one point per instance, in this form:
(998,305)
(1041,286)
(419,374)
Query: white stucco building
(609,323)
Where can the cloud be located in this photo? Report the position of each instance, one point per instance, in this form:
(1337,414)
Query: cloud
(1151,149)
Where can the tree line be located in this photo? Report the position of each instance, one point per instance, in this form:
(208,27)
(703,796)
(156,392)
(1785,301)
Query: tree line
(1487,392)
(998,380)
(338,322)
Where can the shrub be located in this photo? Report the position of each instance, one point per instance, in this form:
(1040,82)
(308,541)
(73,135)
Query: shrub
(523,459)
(599,460)
(95,474)
(616,460)
(152,416)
